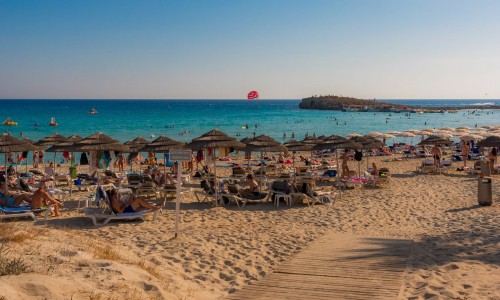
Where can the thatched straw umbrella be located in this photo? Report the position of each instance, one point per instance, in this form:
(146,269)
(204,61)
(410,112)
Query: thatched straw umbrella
(294,146)
(163,145)
(50,141)
(491,141)
(8,144)
(211,140)
(263,143)
(135,146)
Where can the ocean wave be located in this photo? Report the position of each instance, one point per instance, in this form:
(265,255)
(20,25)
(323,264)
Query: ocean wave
(482,103)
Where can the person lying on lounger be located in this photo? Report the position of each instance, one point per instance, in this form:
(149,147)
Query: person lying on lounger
(129,203)
(13,199)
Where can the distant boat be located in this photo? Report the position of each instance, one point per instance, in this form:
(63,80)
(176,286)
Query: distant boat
(53,122)
(93,111)
(9,122)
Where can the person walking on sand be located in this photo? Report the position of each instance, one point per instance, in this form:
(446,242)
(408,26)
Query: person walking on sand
(465,153)
(436,154)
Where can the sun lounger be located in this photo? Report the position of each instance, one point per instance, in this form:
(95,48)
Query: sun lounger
(23,211)
(427,166)
(105,213)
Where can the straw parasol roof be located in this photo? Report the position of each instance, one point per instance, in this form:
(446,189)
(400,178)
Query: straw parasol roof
(491,141)
(435,140)
(137,143)
(9,143)
(214,139)
(406,134)
(98,142)
(374,134)
(469,137)
(311,140)
(264,143)
(353,134)
(163,144)
(294,145)
(51,140)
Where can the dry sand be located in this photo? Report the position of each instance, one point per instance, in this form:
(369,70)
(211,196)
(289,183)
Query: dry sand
(456,251)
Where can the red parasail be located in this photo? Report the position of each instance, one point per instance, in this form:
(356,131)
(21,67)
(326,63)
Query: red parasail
(253,95)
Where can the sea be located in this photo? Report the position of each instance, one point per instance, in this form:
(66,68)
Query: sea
(184,120)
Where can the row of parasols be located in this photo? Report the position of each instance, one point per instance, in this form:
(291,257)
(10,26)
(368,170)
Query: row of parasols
(217,139)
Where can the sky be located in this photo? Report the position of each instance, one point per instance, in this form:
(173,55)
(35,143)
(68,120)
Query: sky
(222,49)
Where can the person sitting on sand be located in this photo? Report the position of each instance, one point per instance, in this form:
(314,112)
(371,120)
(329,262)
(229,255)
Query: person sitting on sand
(128,204)
(41,198)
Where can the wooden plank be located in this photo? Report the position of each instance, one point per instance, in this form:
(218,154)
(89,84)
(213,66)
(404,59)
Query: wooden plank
(336,267)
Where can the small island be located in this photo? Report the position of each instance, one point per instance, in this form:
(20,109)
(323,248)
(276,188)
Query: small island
(354,104)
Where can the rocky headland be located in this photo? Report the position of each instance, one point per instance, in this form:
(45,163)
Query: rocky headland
(355,104)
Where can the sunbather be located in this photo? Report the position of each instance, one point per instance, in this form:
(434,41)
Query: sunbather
(13,199)
(128,204)
(42,198)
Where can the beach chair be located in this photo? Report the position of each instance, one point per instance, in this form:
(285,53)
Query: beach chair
(134,181)
(427,166)
(279,191)
(311,197)
(207,193)
(239,173)
(445,166)
(23,211)
(148,189)
(236,194)
(105,212)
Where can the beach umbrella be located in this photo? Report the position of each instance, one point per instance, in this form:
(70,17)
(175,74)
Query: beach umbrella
(374,134)
(444,135)
(463,127)
(435,140)
(294,146)
(470,137)
(447,128)
(491,141)
(264,143)
(353,134)
(135,145)
(8,144)
(51,140)
(394,132)
(163,145)
(211,140)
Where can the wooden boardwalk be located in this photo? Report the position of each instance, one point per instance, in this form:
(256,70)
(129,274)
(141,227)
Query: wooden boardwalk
(337,267)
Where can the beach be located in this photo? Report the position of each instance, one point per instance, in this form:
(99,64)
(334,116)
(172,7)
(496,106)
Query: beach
(221,249)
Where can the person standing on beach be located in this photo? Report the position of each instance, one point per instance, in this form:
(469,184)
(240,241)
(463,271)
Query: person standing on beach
(465,153)
(436,154)
(492,156)
(40,157)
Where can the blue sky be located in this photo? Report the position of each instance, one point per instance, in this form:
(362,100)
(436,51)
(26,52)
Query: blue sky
(285,49)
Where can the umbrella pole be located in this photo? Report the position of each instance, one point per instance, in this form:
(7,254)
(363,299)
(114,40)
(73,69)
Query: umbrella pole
(338,174)
(178,198)
(54,170)
(293,165)
(164,163)
(215,179)
(6,179)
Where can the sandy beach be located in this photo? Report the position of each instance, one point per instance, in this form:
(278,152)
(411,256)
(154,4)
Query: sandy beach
(455,253)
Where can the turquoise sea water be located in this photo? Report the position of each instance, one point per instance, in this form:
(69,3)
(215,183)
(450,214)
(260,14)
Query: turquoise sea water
(186,119)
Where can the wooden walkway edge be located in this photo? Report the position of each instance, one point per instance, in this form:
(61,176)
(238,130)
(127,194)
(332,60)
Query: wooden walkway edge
(337,266)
